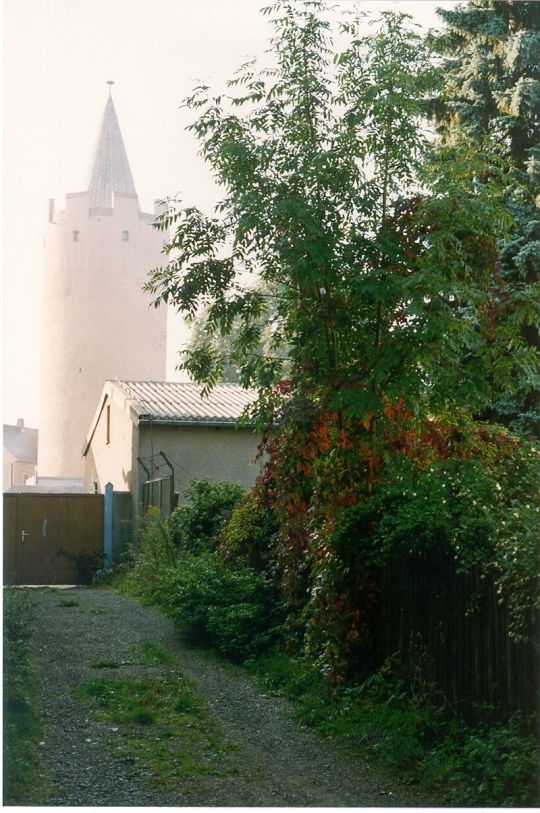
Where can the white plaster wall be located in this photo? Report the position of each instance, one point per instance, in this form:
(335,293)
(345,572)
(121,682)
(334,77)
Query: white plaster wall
(114,462)
(199,452)
(196,453)
(16,472)
(97,323)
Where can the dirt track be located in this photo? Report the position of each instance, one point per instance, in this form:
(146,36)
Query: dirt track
(279,764)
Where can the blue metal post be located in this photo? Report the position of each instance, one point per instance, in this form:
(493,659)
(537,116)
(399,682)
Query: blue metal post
(108,526)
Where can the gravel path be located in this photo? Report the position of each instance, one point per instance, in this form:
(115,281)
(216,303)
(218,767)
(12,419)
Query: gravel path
(281,764)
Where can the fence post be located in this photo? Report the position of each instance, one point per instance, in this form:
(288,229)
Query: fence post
(108,526)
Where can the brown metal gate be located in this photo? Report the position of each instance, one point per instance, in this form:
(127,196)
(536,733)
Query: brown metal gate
(49,537)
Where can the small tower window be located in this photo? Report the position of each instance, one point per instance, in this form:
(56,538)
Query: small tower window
(75,236)
(125,236)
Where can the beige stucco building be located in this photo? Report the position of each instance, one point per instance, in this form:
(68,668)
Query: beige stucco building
(150,431)
(97,322)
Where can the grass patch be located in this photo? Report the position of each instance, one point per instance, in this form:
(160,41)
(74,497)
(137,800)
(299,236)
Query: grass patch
(152,653)
(21,723)
(68,601)
(105,664)
(406,734)
(165,728)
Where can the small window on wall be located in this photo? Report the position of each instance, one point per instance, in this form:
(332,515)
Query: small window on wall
(108,426)
(75,236)
(125,236)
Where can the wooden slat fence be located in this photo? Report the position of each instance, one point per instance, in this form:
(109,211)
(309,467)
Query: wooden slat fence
(452,633)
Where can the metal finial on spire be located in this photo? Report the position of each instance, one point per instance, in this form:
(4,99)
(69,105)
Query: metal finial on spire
(110,84)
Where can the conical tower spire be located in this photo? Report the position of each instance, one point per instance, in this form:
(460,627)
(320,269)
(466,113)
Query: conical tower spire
(111,171)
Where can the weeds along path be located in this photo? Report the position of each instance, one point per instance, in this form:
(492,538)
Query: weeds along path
(126,724)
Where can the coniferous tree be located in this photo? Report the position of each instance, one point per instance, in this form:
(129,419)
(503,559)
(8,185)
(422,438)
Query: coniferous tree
(492,70)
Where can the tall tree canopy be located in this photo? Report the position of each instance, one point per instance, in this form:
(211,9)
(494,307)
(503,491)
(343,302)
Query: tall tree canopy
(321,159)
(492,89)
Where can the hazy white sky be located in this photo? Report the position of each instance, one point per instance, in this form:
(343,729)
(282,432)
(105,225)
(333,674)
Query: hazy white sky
(58,56)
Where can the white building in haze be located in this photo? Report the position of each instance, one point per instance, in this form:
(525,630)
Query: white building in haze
(97,322)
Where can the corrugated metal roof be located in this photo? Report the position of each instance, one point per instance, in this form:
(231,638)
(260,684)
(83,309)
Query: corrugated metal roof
(180,402)
(51,485)
(21,442)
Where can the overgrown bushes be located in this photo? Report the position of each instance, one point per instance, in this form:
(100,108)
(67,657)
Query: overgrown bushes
(226,605)
(361,520)
(214,598)
(486,765)
(154,560)
(221,569)
(195,526)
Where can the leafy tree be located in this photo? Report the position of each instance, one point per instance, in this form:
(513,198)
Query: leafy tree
(201,343)
(320,171)
(492,89)
(223,346)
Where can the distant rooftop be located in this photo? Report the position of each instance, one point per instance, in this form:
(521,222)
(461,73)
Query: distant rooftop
(179,402)
(111,171)
(21,441)
(51,485)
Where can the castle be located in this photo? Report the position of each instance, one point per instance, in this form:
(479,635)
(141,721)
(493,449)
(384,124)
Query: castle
(97,322)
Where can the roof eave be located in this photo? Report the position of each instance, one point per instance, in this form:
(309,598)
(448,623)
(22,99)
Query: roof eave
(233,423)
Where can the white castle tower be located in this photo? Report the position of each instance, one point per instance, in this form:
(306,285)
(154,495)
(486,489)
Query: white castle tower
(97,322)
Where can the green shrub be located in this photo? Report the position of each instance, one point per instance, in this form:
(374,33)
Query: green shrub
(152,561)
(445,506)
(86,564)
(248,533)
(292,677)
(490,766)
(517,519)
(486,766)
(195,526)
(226,605)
